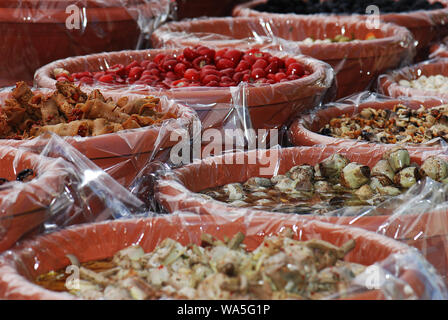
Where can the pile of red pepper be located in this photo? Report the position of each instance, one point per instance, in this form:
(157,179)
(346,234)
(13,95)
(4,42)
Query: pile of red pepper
(198,66)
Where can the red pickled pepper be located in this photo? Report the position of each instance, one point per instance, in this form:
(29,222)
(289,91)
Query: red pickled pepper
(198,66)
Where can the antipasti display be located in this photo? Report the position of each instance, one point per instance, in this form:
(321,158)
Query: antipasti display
(333,183)
(71,112)
(402,125)
(280,268)
(196,66)
(273,155)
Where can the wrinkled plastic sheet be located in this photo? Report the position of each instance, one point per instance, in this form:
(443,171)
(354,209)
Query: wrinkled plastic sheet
(67,189)
(356,63)
(304,130)
(395,270)
(417,217)
(426,26)
(388,84)
(247,108)
(35,33)
(123,154)
(269,105)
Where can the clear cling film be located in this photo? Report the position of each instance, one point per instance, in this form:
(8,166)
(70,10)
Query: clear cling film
(47,184)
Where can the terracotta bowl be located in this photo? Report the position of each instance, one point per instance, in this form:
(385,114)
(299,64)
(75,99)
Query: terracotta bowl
(270,106)
(123,154)
(304,131)
(34,32)
(176,191)
(356,63)
(439,49)
(426,26)
(23,206)
(102,240)
(388,84)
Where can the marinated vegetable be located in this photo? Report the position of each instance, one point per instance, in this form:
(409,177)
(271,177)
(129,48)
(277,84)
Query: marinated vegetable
(399,125)
(71,112)
(331,184)
(280,268)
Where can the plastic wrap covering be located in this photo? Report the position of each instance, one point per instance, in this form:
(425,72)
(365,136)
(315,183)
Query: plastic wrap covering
(426,26)
(213,104)
(122,154)
(308,130)
(56,186)
(439,49)
(391,85)
(35,33)
(394,270)
(356,63)
(417,216)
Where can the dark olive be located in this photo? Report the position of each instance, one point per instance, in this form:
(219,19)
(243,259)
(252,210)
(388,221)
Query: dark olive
(25,175)
(326,131)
